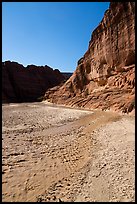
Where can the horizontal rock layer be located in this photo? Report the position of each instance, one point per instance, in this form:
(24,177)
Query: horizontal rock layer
(104,77)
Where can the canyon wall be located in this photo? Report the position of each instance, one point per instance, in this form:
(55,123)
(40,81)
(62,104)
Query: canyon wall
(104,77)
(27,84)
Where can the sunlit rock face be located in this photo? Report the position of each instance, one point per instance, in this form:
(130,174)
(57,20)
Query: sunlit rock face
(107,67)
(20,84)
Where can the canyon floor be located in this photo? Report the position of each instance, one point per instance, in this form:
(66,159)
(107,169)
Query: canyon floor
(54,153)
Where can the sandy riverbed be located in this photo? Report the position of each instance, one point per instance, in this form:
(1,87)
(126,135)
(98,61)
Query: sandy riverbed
(52,153)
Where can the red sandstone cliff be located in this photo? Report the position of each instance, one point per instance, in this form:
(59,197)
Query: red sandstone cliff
(20,84)
(104,77)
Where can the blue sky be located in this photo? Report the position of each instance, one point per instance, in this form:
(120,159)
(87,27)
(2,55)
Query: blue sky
(56,34)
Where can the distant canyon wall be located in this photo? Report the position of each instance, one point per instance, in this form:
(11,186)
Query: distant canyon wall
(27,84)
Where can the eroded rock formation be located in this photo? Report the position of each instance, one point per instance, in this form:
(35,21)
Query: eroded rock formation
(20,84)
(104,77)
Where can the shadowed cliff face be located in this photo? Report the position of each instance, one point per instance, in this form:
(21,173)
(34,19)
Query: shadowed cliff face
(104,77)
(20,84)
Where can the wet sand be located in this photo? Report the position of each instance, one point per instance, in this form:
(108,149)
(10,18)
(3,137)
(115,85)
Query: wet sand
(54,153)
